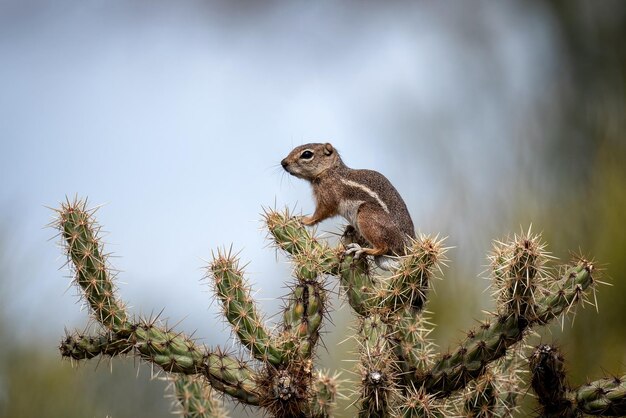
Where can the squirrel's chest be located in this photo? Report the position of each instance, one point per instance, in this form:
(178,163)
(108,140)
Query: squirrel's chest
(349,209)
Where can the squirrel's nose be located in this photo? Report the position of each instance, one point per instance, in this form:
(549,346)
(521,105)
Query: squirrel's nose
(284,163)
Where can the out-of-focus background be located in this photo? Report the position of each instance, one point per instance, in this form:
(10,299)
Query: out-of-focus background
(487,116)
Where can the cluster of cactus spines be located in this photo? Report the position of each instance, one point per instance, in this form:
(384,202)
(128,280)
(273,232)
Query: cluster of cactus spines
(324,395)
(416,403)
(399,373)
(604,397)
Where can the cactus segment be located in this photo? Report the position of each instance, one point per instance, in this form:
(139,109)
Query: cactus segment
(377,368)
(488,343)
(419,404)
(359,285)
(324,395)
(302,318)
(194,398)
(569,292)
(517,270)
(548,382)
(290,235)
(240,309)
(231,376)
(481,401)
(409,284)
(604,397)
(507,377)
(171,351)
(78,346)
(88,261)
(412,346)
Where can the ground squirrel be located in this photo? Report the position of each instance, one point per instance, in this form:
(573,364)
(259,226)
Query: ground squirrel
(365,198)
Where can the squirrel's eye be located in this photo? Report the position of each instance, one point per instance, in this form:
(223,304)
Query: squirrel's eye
(306,155)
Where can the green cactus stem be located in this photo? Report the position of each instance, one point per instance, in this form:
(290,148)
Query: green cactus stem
(173,352)
(419,404)
(358,284)
(492,339)
(88,261)
(240,310)
(311,257)
(481,401)
(78,346)
(604,397)
(412,346)
(324,395)
(409,284)
(194,398)
(379,374)
(303,317)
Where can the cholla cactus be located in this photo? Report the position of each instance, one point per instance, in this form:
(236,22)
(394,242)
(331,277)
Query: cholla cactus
(398,370)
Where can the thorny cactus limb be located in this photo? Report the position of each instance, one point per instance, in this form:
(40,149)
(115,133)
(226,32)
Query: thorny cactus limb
(419,404)
(194,398)
(230,375)
(605,397)
(481,401)
(324,395)
(399,373)
(240,310)
(523,307)
(89,262)
(302,319)
(377,366)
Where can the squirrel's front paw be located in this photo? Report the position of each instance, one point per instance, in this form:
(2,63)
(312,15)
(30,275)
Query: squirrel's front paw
(354,248)
(307,220)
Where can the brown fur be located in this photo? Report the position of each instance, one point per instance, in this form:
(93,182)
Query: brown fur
(367,200)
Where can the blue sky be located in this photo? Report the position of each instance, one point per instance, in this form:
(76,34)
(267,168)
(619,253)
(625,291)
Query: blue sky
(176,115)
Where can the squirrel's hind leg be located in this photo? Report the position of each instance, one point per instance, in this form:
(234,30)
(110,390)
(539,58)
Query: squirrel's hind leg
(378,229)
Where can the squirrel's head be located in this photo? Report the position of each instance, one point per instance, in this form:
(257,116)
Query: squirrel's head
(308,161)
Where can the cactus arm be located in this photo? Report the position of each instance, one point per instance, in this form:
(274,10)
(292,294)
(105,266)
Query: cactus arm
(171,351)
(377,368)
(88,262)
(419,404)
(604,397)
(481,401)
(240,310)
(324,394)
(78,346)
(571,290)
(491,341)
(291,236)
(302,319)
(358,284)
(409,284)
(195,399)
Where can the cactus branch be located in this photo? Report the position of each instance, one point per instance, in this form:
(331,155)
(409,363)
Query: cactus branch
(605,397)
(240,310)
(195,399)
(88,261)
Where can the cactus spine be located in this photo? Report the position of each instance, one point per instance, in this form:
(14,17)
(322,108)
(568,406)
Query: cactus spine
(399,373)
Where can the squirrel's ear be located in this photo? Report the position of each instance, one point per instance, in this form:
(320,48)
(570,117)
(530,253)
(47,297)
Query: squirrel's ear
(328,149)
